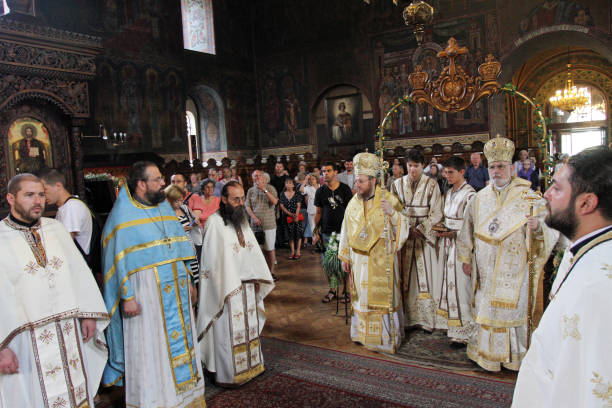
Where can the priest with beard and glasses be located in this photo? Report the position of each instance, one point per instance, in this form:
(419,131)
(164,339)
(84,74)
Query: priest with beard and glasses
(234,280)
(52,350)
(373,231)
(569,363)
(151,336)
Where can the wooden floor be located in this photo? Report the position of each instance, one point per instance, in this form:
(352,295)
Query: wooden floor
(294,310)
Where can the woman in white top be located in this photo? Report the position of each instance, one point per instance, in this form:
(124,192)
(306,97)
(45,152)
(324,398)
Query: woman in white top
(312,184)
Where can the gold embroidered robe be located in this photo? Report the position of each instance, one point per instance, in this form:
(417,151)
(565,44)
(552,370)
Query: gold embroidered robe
(568,363)
(420,266)
(377,320)
(496,237)
(456,289)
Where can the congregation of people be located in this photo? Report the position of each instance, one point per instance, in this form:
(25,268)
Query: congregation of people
(178,284)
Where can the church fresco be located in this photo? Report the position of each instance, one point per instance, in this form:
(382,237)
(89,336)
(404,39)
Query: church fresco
(284,110)
(553,12)
(415,120)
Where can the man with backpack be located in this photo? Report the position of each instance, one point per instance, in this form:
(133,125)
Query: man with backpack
(76,216)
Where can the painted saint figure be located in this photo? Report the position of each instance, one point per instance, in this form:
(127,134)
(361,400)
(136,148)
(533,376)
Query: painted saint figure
(342,130)
(29,153)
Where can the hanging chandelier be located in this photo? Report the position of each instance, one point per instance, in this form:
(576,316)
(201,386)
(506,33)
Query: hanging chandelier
(571,97)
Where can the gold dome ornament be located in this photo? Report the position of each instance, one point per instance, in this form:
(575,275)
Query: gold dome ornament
(417,15)
(499,149)
(367,164)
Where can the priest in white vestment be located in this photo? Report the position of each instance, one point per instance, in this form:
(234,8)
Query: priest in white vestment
(421,275)
(373,231)
(52,348)
(495,238)
(151,335)
(234,280)
(569,363)
(456,289)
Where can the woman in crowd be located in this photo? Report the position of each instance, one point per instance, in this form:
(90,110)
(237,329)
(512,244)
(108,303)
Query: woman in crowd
(397,171)
(235,175)
(435,173)
(310,189)
(175,196)
(290,204)
(530,173)
(194,183)
(300,185)
(210,201)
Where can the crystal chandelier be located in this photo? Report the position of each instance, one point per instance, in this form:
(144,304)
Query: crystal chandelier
(570,98)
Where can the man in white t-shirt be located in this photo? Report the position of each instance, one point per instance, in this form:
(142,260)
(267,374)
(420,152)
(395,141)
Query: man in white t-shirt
(72,213)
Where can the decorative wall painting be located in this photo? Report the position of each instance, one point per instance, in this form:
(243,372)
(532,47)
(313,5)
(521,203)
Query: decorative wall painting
(344,114)
(29,146)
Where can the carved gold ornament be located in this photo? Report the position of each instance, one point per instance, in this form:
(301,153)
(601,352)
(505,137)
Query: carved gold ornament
(455,90)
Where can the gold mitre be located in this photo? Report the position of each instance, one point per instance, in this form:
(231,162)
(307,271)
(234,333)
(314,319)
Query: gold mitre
(367,164)
(499,149)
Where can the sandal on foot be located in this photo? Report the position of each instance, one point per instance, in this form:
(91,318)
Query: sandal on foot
(291,257)
(296,257)
(346,298)
(331,295)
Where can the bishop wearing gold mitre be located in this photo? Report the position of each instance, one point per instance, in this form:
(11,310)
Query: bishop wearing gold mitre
(373,231)
(495,235)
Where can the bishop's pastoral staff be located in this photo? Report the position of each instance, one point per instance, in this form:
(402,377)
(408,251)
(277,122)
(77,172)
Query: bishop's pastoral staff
(234,281)
(373,231)
(151,336)
(495,237)
(52,349)
(569,363)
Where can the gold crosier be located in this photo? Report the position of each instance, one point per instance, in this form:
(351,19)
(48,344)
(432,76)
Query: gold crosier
(531,196)
(453,91)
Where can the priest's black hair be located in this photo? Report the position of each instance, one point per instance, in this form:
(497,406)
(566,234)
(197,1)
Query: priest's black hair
(415,155)
(591,172)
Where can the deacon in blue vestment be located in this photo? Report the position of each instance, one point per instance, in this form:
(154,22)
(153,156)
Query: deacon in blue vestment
(147,287)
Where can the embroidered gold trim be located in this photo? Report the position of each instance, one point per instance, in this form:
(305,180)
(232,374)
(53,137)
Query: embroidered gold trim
(146,245)
(133,223)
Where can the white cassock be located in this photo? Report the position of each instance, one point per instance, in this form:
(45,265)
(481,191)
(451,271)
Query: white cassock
(569,362)
(234,280)
(421,271)
(456,289)
(47,288)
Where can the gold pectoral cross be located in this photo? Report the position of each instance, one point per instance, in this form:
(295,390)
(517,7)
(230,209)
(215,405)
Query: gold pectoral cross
(167,241)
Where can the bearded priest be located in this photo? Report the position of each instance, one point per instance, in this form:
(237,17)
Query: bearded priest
(52,348)
(234,280)
(373,231)
(151,336)
(569,363)
(495,235)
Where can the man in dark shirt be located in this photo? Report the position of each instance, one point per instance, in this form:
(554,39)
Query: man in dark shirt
(476,175)
(331,200)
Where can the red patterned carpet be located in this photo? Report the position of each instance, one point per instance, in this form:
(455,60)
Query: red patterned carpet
(305,376)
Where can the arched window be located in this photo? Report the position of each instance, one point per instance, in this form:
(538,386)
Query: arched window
(193,136)
(583,127)
(191,124)
(198,26)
